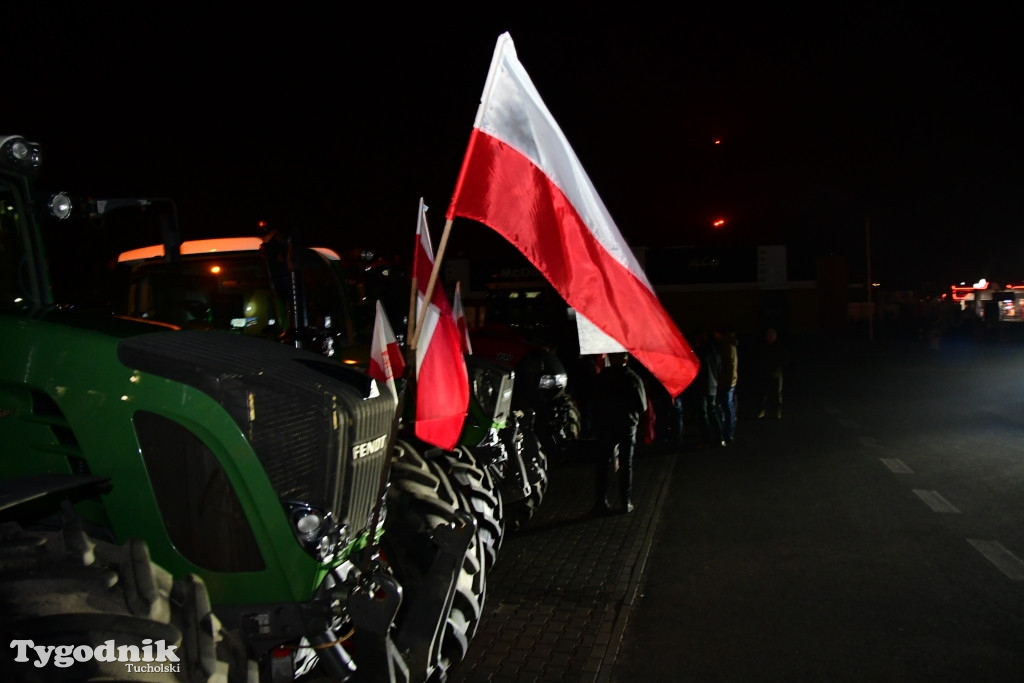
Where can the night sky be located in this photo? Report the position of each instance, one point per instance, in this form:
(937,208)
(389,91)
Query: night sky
(339,118)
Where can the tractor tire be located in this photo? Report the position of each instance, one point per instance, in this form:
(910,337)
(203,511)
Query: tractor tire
(559,425)
(574,420)
(420,498)
(66,588)
(521,511)
(478,486)
(471,587)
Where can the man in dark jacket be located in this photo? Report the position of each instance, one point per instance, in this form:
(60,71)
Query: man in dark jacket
(618,402)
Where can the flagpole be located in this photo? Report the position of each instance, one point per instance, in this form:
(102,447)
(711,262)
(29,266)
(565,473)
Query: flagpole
(431,283)
(503,40)
(415,280)
(504,43)
(450,216)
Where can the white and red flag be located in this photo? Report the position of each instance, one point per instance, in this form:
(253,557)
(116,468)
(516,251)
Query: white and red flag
(460,319)
(442,383)
(521,178)
(386,361)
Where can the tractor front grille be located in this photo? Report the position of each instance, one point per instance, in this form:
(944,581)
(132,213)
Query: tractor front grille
(309,419)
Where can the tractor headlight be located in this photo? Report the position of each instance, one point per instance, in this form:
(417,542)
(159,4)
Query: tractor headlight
(308,523)
(491,385)
(557,381)
(485,388)
(316,531)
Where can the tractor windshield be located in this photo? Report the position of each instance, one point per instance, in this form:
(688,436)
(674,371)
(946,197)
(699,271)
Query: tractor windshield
(215,291)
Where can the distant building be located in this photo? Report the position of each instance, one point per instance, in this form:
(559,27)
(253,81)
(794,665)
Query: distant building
(749,287)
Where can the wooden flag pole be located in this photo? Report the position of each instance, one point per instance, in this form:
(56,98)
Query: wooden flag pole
(413,290)
(431,283)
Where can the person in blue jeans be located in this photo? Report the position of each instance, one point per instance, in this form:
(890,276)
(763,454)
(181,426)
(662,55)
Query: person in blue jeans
(727,378)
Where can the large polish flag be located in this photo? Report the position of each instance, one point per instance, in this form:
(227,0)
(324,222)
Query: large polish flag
(459,313)
(521,178)
(386,361)
(442,383)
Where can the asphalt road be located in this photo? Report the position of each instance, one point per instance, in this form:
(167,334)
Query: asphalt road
(873,534)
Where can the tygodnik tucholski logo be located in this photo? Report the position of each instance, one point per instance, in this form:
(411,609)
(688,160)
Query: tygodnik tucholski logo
(152,657)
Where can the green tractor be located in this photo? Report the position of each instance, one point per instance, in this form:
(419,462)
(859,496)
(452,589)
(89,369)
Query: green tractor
(245,490)
(272,286)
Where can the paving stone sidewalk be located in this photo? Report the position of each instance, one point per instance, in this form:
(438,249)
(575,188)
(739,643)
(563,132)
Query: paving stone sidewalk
(560,593)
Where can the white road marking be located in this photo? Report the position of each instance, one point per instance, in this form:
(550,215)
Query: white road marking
(935,501)
(1003,559)
(896,465)
(869,442)
(848,423)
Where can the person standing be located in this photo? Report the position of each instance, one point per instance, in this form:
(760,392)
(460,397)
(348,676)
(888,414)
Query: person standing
(677,413)
(706,386)
(619,400)
(727,379)
(772,359)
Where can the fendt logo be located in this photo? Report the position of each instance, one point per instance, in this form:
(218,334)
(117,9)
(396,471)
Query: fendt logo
(364,449)
(163,659)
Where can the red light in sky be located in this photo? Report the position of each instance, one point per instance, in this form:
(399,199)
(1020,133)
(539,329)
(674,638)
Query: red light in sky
(718,223)
(717,141)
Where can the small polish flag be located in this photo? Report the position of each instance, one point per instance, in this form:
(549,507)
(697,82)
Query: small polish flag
(442,381)
(386,361)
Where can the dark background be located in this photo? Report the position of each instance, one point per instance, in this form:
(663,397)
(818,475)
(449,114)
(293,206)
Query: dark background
(338,118)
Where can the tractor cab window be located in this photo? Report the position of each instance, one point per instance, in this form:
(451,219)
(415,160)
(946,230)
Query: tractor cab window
(219,292)
(325,294)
